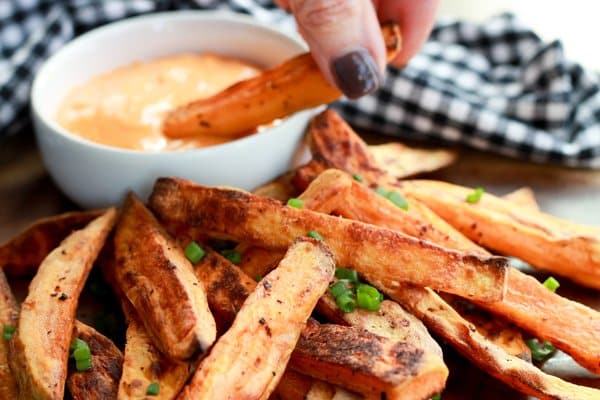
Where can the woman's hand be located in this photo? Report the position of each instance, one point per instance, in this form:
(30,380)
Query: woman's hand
(345,39)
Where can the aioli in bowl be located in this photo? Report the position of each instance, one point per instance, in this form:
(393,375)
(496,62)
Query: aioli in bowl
(125,107)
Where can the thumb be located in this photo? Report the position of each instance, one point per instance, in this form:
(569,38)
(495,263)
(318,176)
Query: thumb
(345,41)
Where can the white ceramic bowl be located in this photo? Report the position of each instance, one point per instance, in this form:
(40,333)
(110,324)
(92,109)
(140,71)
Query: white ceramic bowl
(94,175)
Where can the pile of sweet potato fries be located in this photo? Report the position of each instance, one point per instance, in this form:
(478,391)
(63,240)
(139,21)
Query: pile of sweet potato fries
(265,324)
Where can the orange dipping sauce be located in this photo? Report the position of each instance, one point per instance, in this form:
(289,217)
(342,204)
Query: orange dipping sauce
(125,108)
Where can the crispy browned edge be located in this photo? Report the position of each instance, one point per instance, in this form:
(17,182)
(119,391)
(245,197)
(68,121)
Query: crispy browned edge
(159,282)
(21,255)
(574,332)
(544,385)
(464,337)
(294,85)
(227,288)
(269,323)
(143,363)
(44,377)
(233,214)
(334,191)
(102,381)
(9,314)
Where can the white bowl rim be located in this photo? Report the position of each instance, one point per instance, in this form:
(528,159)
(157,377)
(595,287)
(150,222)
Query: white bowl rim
(226,16)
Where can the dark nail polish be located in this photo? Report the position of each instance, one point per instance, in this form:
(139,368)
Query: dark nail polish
(356,73)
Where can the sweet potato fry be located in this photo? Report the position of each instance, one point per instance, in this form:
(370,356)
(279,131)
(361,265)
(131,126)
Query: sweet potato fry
(20,256)
(257,261)
(266,328)
(40,348)
(160,283)
(224,281)
(545,242)
(308,172)
(9,313)
(523,197)
(401,161)
(334,144)
(360,360)
(295,85)
(227,287)
(495,329)
(334,191)
(102,381)
(292,386)
(378,254)
(428,376)
(280,188)
(463,336)
(144,364)
(569,325)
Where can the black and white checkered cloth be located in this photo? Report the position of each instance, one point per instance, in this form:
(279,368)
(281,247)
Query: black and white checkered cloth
(494,86)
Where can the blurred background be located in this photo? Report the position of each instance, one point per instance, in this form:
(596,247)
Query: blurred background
(574,22)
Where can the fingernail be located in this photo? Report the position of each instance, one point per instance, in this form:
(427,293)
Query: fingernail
(356,73)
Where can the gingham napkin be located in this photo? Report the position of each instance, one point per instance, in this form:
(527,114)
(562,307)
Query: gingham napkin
(494,86)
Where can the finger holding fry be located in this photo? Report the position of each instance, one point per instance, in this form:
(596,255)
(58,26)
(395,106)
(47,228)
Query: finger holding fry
(295,85)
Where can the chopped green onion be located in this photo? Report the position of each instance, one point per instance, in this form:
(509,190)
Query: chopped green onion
(194,252)
(233,256)
(368,297)
(77,344)
(357,178)
(552,284)
(398,200)
(258,278)
(82,353)
(83,365)
(437,397)
(393,196)
(368,289)
(345,273)
(346,303)
(475,196)
(540,351)
(339,289)
(367,302)
(314,235)
(8,332)
(296,203)
(381,191)
(153,389)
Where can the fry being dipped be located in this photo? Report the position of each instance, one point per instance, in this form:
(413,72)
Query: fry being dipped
(295,85)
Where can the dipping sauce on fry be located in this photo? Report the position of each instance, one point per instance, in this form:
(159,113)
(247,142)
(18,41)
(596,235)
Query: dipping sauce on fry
(125,107)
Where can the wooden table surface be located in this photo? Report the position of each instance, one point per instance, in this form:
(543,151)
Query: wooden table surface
(27,193)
